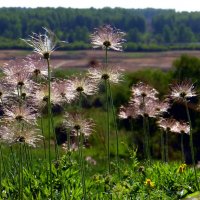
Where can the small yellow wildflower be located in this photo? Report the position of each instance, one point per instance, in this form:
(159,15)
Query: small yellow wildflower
(149,183)
(182,168)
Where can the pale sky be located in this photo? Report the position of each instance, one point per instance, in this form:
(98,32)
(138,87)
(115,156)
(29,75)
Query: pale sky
(178,5)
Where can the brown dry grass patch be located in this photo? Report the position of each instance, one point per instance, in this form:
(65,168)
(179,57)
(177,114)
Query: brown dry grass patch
(127,60)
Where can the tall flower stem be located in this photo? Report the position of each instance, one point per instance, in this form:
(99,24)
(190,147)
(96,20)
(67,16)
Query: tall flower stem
(5,163)
(20,173)
(182,149)
(19,176)
(148,138)
(68,141)
(133,135)
(79,148)
(166,147)
(27,159)
(1,173)
(146,142)
(43,139)
(78,136)
(5,172)
(13,157)
(80,101)
(145,137)
(81,161)
(162,146)
(49,121)
(191,144)
(82,166)
(106,57)
(108,114)
(116,128)
(55,139)
(44,145)
(108,125)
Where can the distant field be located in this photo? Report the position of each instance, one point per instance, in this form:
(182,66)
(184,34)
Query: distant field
(129,61)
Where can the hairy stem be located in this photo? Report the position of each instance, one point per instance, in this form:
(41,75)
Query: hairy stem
(20,172)
(162,146)
(43,139)
(148,138)
(166,147)
(108,125)
(191,144)
(1,161)
(82,166)
(182,149)
(49,124)
(145,131)
(116,128)
(55,138)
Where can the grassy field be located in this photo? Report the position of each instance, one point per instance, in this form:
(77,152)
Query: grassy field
(127,60)
(114,163)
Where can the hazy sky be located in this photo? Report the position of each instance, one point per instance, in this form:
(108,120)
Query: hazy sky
(178,5)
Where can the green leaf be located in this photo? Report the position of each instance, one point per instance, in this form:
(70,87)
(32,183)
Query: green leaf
(193,196)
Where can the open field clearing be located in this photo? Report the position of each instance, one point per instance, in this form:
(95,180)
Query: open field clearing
(127,60)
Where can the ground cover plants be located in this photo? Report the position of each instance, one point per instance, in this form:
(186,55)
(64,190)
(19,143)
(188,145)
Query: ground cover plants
(38,163)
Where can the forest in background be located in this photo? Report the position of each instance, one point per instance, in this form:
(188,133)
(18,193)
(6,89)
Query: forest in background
(146,29)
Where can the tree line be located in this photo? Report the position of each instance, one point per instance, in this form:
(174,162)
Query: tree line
(146,29)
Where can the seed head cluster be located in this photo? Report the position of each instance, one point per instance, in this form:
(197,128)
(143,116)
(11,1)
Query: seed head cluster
(24,91)
(144,102)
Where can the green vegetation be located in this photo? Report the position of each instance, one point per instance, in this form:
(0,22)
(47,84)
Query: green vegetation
(146,29)
(137,180)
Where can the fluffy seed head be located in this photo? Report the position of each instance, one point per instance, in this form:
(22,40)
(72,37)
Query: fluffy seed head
(143,90)
(82,85)
(167,124)
(78,124)
(130,111)
(102,73)
(20,114)
(182,91)
(43,44)
(107,37)
(37,66)
(12,134)
(181,127)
